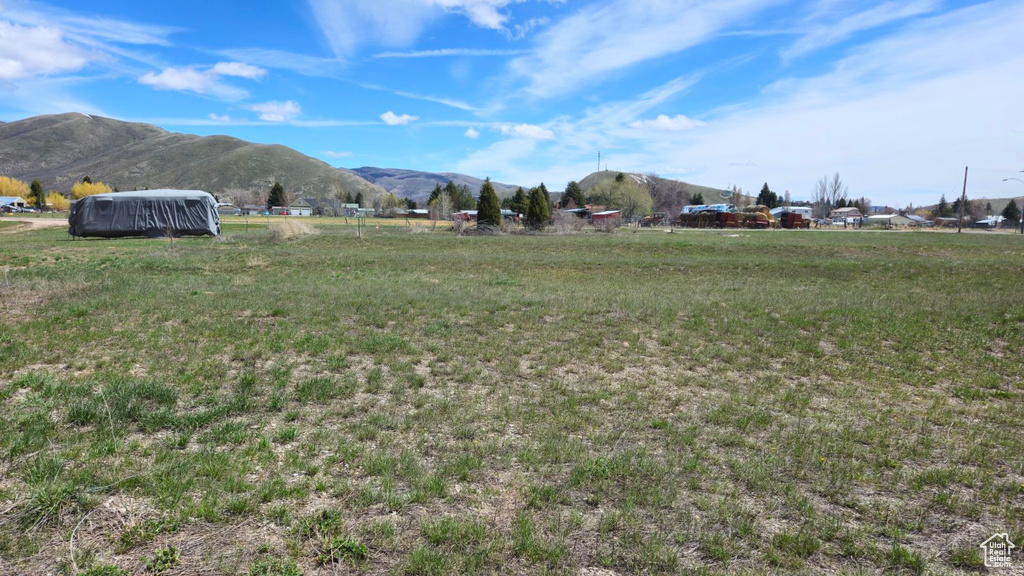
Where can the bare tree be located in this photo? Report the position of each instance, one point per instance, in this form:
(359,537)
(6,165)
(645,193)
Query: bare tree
(441,207)
(828,193)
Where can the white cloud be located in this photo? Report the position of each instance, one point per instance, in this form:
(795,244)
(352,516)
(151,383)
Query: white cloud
(27,51)
(668,124)
(594,42)
(204,81)
(39,40)
(472,133)
(830,33)
(333,154)
(347,24)
(238,69)
(220,118)
(527,131)
(277,111)
(392,119)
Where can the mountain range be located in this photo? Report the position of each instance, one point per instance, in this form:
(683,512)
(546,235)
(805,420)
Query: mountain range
(59,150)
(418,185)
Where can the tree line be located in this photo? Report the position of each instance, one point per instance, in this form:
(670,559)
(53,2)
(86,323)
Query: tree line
(36,197)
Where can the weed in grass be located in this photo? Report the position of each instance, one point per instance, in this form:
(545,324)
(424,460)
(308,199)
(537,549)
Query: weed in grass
(323,523)
(320,389)
(539,497)
(454,533)
(383,343)
(425,561)
(163,560)
(338,549)
(286,435)
(905,560)
(967,558)
(143,532)
(104,570)
(800,544)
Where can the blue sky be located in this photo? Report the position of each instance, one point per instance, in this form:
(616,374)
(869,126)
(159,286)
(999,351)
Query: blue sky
(897,96)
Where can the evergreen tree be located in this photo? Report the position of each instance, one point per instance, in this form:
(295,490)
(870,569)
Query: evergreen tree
(538,213)
(488,206)
(348,197)
(1011,212)
(956,207)
(358,199)
(697,199)
(988,208)
(942,210)
(573,194)
(763,197)
(519,203)
(452,190)
(37,195)
(410,204)
(464,198)
(276,196)
(547,196)
(435,193)
(87,180)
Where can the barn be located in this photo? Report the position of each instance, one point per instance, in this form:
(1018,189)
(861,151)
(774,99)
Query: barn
(150,213)
(607,217)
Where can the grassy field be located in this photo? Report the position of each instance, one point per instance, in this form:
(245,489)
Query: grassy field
(418,403)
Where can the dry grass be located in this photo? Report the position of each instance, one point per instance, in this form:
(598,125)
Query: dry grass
(288,230)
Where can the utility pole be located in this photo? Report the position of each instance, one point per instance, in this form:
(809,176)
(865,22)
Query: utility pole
(963,201)
(598,160)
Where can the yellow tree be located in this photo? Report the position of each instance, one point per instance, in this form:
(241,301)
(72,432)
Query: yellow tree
(13,187)
(83,189)
(57,201)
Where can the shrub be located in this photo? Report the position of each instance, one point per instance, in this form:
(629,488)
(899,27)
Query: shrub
(288,230)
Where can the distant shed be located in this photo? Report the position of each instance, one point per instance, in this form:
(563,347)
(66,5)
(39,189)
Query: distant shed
(150,213)
(13,201)
(606,217)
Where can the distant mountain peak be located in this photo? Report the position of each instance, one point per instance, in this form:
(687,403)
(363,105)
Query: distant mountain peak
(418,185)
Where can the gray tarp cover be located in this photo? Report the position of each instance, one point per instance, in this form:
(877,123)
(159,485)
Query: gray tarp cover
(151,213)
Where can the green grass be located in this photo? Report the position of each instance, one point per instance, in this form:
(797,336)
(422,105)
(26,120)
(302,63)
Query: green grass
(647,403)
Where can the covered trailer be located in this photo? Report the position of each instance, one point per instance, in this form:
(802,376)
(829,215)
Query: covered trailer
(150,213)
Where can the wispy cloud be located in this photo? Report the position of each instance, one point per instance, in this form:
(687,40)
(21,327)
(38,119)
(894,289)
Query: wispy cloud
(392,119)
(335,154)
(304,64)
(348,24)
(827,33)
(595,41)
(277,111)
(451,52)
(204,80)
